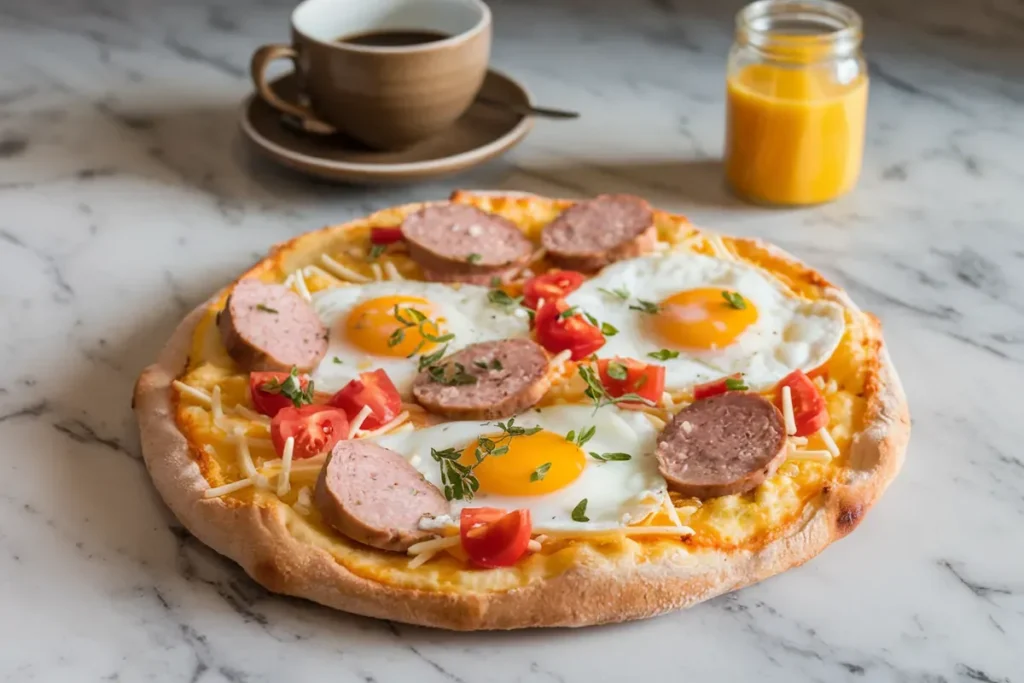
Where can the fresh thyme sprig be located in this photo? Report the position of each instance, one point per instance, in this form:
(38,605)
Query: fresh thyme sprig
(457,479)
(291,388)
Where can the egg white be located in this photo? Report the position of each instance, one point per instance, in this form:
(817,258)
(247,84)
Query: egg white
(790,333)
(466,310)
(618,492)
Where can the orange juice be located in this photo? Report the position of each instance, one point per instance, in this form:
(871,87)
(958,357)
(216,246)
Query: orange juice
(794,134)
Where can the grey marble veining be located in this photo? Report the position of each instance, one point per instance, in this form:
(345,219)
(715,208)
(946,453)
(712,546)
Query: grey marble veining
(126,197)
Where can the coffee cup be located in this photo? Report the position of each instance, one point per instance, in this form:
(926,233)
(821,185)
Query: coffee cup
(388,73)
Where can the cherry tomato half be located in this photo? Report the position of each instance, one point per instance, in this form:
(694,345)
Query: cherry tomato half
(385,235)
(809,410)
(374,389)
(315,429)
(715,387)
(558,332)
(646,381)
(554,284)
(493,538)
(267,402)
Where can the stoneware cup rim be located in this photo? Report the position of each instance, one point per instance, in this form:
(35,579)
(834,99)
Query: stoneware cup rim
(480,26)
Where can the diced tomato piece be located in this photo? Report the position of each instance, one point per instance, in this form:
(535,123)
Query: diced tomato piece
(493,538)
(809,410)
(315,429)
(554,284)
(715,387)
(557,332)
(374,389)
(385,235)
(644,380)
(267,402)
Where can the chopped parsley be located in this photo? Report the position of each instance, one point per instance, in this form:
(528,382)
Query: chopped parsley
(541,472)
(291,388)
(568,313)
(502,299)
(735,300)
(617,370)
(645,306)
(429,359)
(338,360)
(458,376)
(484,365)
(611,457)
(265,308)
(579,513)
(735,384)
(664,354)
(375,251)
(609,330)
(473,258)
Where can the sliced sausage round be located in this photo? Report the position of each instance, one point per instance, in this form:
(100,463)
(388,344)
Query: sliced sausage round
(374,496)
(722,445)
(591,234)
(485,381)
(269,327)
(456,240)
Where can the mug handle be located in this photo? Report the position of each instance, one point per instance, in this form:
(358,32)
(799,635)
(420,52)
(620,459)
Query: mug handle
(258,68)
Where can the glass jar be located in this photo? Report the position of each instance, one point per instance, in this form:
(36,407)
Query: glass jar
(796,101)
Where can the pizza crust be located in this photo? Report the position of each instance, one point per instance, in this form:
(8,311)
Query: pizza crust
(596,590)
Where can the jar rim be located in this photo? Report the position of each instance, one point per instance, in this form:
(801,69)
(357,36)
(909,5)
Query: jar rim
(784,26)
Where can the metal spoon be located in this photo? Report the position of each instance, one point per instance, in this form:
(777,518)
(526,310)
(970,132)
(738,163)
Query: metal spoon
(525,110)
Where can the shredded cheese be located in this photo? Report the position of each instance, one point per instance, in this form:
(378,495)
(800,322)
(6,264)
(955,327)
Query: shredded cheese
(284,476)
(197,394)
(670,510)
(815,456)
(533,546)
(403,428)
(303,501)
(666,401)
(320,272)
(718,246)
(342,272)
(557,361)
(421,559)
(217,407)
(433,545)
(392,271)
(300,284)
(219,491)
(655,421)
(353,428)
(378,272)
(251,415)
(798,440)
(244,456)
(384,429)
(687,509)
(829,442)
(787,410)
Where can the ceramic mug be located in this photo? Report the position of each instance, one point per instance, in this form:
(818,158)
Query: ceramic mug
(390,96)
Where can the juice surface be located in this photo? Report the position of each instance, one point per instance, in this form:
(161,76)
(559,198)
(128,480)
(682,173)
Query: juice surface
(793,135)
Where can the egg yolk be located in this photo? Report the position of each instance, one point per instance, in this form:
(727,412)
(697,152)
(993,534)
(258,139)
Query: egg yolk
(534,465)
(706,318)
(379,328)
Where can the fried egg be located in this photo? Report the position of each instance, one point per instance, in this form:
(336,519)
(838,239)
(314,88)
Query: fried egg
(687,304)
(544,471)
(390,325)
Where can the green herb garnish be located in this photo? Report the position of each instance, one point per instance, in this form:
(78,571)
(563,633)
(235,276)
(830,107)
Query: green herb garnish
(664,354)
(500,297)
(458,376)
(291,388)
(596,392)
(375,251)
(585,435)
(579,513)
(611,457)
(617,370)
(735,384)
(473,258)
(609,330)
(265,308)
(338,360)
(568,313)
(735,300)
(620,293)
(645,306)
(458,480)
(541,472)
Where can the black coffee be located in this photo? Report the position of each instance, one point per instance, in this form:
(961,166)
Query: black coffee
(393,38)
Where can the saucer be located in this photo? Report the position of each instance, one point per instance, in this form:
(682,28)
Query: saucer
(482,133)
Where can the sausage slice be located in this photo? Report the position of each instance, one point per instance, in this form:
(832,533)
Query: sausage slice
(452,241)
(269,327)
(505,378)
(722,445)
(591,234)
(374,496)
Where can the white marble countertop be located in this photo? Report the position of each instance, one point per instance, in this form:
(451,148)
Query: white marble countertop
(126,197)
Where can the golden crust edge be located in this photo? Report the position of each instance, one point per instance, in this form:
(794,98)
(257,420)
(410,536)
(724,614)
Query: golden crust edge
(594,592)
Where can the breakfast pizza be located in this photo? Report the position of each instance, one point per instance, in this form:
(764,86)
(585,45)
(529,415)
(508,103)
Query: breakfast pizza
(506,411)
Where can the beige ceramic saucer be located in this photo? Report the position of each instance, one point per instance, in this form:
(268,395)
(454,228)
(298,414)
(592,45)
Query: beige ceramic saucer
(482,133)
